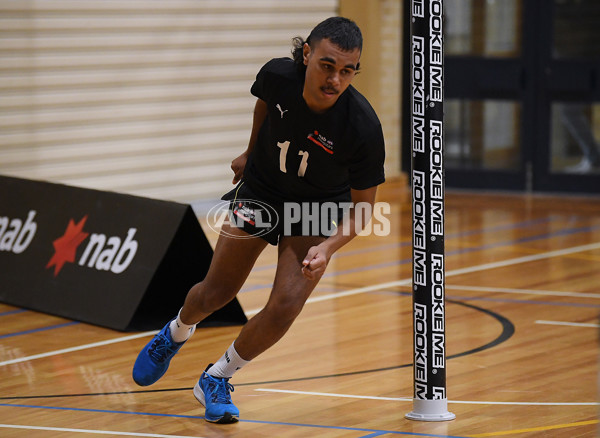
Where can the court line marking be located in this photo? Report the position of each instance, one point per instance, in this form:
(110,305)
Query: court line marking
(523,291)
(524,259)
(454,272)
(242,420)
(404,399)
(565,323)
(39,329)
(78,348)
(534,429)
(94,431)
(523,301)
(449,253)
(12,312)
(492,229)
(388,285)
(359,290)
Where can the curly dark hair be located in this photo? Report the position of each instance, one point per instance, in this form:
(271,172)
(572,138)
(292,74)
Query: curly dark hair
(341,31)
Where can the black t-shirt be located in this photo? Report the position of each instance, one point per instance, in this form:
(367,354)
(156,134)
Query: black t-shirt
(304,156)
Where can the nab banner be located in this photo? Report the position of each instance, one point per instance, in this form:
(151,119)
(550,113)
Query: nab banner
(109,259)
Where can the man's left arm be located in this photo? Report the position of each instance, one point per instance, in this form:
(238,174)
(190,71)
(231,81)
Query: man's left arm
(317,258)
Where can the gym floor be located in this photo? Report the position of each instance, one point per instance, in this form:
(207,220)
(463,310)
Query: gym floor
(523,299)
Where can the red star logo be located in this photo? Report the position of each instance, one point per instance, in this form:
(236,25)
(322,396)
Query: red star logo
(66,246)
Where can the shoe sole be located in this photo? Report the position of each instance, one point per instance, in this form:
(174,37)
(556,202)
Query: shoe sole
(225,419)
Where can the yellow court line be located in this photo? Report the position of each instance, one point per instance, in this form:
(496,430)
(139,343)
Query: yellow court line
(534,429)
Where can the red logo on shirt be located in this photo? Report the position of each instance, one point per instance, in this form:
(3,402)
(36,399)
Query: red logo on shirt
(320,140)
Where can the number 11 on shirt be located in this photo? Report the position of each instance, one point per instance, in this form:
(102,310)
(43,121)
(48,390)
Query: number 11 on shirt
(283,156)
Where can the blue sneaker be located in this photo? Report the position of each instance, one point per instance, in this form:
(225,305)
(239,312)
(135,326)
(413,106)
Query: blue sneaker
(153,361)
(213,393)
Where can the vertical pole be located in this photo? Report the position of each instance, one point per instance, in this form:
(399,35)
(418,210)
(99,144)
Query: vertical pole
(427,139)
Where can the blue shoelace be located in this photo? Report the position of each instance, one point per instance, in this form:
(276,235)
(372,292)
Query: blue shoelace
(162,348)
(219,390)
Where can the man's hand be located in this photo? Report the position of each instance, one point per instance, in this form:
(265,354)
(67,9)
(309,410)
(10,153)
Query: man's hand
(315,262)
(317,258)
(238,165)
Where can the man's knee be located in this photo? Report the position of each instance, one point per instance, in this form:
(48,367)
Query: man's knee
(285,311)
(211,299)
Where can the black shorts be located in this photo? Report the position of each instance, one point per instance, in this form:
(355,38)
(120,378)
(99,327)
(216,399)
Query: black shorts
(271,220)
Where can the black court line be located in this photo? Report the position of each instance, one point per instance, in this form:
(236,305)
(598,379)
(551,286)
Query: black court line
(508,329)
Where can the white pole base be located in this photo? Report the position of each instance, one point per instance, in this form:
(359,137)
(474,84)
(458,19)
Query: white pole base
(430,410)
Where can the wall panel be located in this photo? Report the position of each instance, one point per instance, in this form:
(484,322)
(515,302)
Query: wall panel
(147,98)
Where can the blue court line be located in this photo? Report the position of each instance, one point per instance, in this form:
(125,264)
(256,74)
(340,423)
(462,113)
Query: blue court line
(498,300)
(278,423)
(12,312)
(503,227)
(50,327)
(391,263)
(473,249)
(326,288)
(372,435)
(563,232)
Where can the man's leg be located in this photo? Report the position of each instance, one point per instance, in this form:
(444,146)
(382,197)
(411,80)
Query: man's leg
(290,291)
(232,261)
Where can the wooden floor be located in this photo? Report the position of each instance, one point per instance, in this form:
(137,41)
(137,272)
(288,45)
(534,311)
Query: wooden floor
(523,290)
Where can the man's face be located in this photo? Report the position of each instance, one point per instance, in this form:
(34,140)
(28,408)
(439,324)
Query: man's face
(329,71)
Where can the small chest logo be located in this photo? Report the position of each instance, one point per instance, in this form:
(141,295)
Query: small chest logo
(320,140)
(281,110)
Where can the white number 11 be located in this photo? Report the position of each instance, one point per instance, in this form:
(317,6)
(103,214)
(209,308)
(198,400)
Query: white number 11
(283,156)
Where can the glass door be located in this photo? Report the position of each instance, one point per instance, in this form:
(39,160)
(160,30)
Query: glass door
(569,97)
(522,109)
(486,99)
(484,93)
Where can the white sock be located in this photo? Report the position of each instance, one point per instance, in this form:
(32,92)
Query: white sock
(179,331)
(229,363)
